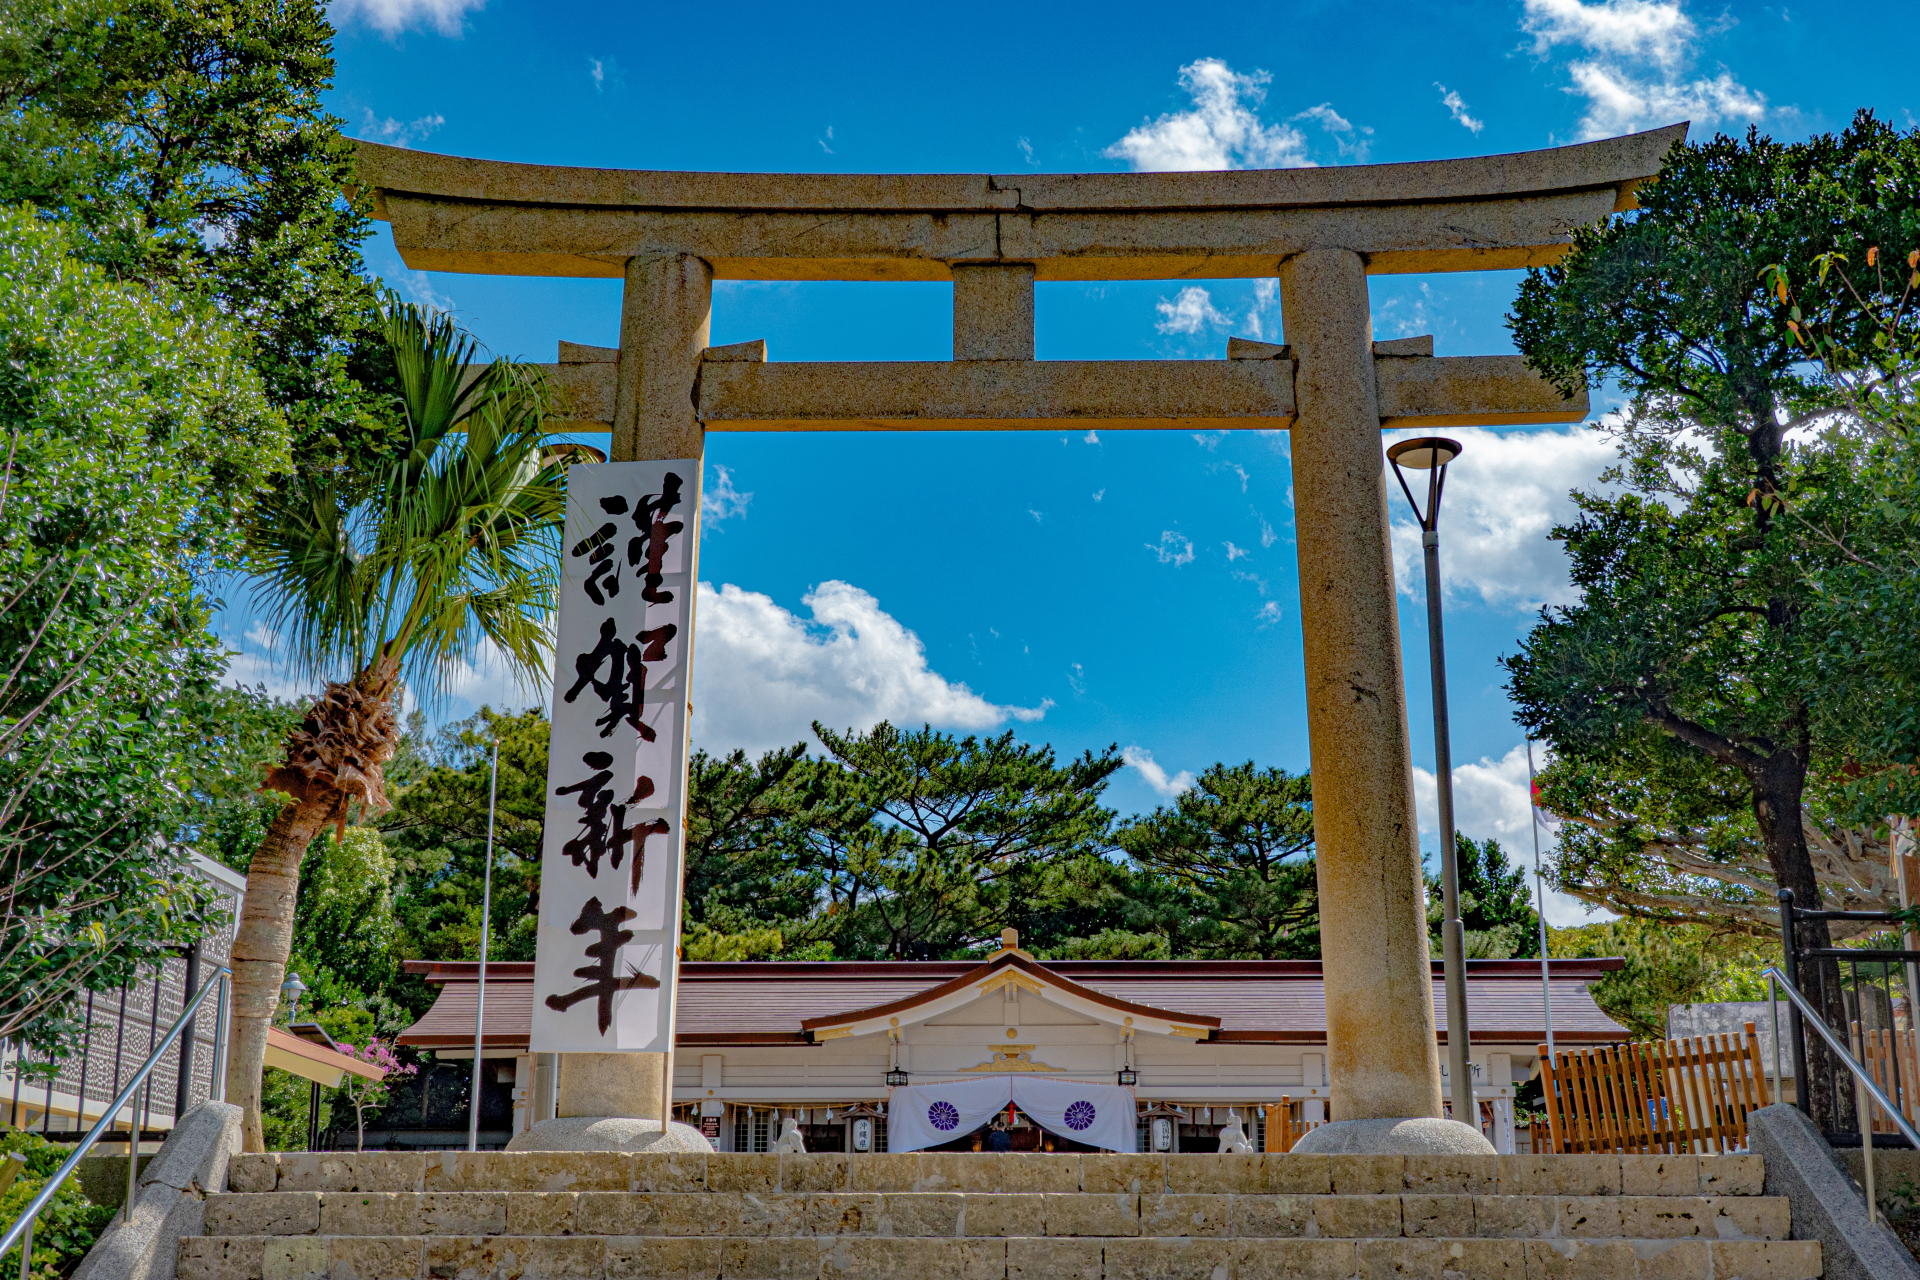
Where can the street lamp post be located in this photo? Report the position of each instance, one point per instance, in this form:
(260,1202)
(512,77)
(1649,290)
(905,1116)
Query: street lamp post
(1431,454)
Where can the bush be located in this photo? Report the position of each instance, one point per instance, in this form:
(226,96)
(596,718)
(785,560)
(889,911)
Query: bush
(67,1227)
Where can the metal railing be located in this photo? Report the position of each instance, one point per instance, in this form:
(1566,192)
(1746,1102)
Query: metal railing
(1855,988)
(21,1232)
(1865,1090)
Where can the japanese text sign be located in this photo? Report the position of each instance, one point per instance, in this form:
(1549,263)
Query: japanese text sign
(611,869)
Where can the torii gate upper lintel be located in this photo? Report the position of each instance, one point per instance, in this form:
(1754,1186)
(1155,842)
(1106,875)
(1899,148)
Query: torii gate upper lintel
(1321,232)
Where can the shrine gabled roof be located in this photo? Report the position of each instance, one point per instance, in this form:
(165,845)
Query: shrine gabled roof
(1255,1001)
(997,973)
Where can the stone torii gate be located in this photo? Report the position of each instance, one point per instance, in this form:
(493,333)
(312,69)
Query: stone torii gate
(1320,231)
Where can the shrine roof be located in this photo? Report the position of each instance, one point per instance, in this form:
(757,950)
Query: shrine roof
(1252,1001)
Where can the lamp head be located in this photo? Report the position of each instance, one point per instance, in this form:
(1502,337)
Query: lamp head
(1430,454)
(293,988)
(1424,453)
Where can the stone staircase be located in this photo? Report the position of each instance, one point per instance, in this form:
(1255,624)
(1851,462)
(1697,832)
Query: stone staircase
(936,1216)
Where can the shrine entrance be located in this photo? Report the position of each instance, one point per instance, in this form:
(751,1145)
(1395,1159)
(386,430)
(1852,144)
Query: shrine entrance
(620,731)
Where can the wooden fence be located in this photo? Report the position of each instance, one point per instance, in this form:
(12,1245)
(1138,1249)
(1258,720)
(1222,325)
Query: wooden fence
(1655,1097)
(1893,1060)
(1285,1125)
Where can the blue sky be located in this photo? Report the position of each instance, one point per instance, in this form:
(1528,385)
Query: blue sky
(981,581)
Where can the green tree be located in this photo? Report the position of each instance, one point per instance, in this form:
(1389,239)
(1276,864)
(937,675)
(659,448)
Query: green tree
(1695,595)
(1665,965)
(186,144)
(1229,871)
(458,542)
(1495,905)
(1859,317)
(927,846)
(133,434)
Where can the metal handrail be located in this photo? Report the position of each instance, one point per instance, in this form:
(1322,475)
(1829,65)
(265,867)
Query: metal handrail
(1863,1082)
(21,1232)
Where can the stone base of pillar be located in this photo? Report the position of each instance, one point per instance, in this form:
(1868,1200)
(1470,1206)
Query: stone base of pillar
(609,1133)
(1421,1136)
(612,1084)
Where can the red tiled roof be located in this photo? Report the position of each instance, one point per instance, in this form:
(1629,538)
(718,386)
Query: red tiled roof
(1270,1001)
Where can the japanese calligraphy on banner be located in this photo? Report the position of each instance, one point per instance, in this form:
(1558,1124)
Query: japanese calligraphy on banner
(611,868)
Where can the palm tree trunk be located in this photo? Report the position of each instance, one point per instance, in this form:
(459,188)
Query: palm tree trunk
(260,952)
(335,756)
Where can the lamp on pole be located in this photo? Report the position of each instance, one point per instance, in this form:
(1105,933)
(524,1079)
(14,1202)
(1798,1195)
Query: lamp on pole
(291,990)
(486,922)
(1431,454)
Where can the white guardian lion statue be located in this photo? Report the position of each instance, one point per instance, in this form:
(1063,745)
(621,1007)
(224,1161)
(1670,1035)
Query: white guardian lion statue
(791,1143)
(1233,1138)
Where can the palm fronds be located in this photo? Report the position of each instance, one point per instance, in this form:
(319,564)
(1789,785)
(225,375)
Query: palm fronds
(458,545)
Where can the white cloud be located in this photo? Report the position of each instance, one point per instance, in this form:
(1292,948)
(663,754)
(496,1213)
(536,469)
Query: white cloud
(824,141)
(1619,103)
(257,660)
(1655,31)
(1189,312)
(418,286)
(489,680)
(1234,553)
(721,501)
(1092,437)
(1504,494)
(1269,613)
(1155,775)
(1222,131)
(1454,103)
(1266,299)
(1635,73)
(398,133)
(391,17)
(1240,471)
(1038,516)
(1490,799)
(1026,149)
(1099,494)
(1399,317)
(1175,549)
(605,74)
(762,675)
(1352,140)
(1267,536)
(1208,442)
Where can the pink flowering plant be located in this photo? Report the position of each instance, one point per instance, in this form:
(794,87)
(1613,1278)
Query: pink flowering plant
(362,1094)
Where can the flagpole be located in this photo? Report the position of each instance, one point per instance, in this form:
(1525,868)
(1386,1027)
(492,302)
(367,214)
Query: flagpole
(486,911)
(1540,883)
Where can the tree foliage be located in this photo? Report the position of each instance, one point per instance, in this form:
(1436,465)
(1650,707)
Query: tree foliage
(1226,866)
(1693,656)
(133,431)
(186,144)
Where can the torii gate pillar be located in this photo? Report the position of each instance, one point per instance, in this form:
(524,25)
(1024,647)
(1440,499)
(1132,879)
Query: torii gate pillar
(665,319)
(1373,935)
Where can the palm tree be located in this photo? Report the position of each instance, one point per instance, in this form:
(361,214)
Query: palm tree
(456,540)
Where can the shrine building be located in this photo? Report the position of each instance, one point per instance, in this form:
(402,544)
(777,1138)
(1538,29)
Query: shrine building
(1192,1043)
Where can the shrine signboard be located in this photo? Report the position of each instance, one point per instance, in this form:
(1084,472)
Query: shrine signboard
(612,865)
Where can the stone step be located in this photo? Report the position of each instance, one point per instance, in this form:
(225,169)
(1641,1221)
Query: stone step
(1685,1175)
(989,1214)
(1018,1258)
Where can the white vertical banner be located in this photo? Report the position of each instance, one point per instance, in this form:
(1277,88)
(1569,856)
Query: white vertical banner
(612,867)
